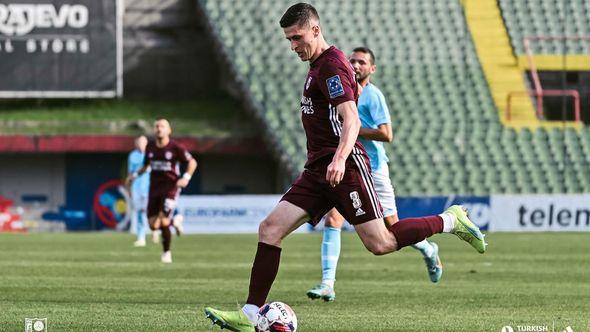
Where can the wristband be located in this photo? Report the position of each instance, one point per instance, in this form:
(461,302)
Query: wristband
(186,176)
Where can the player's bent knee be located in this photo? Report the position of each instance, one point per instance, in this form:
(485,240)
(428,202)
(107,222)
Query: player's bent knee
(153,224)
(333,222)
(269,233)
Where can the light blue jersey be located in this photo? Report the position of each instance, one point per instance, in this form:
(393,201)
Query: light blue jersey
(373,111)
(141,185)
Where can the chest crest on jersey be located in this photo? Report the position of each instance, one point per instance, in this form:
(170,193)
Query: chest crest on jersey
(168,155)
(151,155)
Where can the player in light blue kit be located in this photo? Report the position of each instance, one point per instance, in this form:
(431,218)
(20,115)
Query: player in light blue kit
(139,191)
(376,129)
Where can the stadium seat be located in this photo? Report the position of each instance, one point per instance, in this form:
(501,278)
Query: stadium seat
(542,18)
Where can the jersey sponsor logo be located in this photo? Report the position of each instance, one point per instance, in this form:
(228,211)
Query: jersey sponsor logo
(308,83)
(159,165)
(335,88)
(306,105)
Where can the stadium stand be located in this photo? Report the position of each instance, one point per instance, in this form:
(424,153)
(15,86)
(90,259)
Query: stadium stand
(448,137)
(544,18)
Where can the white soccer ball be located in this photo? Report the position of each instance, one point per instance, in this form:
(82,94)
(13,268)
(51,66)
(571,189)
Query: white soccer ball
(276,317)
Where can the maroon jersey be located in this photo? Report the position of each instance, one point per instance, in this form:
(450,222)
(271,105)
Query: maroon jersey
(330,82)
(164,165)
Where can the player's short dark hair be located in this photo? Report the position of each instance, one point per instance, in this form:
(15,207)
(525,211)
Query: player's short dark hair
(364,49)
(300,14)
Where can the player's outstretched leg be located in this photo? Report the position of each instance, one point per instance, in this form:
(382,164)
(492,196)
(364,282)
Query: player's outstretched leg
(284,219)
(381,240)
(465,229)
(454,220)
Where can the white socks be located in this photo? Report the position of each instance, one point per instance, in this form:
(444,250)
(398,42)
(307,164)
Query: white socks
(329,282)
(449,221)
(251,311)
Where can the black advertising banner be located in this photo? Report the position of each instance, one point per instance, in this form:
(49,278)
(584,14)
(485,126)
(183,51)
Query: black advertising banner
(61,48)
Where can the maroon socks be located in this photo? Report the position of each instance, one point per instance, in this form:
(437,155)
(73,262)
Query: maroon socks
(413,230)
(166,237)
(264,272)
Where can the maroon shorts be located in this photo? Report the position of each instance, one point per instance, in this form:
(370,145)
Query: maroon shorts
(355,197)
(164,201)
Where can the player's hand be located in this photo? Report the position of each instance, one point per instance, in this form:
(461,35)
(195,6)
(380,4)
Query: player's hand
(335,172)
(182,183)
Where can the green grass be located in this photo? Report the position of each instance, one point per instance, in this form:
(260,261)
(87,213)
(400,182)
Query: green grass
(209,117)
(98,282)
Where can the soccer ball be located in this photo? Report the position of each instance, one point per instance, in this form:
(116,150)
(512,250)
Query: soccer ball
(276,317)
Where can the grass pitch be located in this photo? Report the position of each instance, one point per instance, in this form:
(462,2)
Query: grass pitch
(99,282)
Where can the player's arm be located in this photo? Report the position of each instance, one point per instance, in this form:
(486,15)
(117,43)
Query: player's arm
(379,113)
(188,174)
(132,176)
(350,130)
(383,133)
(185,157)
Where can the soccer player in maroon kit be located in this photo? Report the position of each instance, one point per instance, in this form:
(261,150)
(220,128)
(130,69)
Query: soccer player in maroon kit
(163,156)
(337,173)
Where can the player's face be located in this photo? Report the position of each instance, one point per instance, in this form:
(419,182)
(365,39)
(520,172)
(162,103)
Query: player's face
(361,62)
(162,129)
(303,39)
(141,143)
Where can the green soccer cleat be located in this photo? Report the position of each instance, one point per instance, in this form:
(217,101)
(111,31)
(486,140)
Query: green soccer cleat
(322,291)
(466,230)
(231,320)
(433,264)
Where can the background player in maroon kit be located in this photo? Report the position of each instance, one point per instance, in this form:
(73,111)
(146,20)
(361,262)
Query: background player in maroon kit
(337,172)
(163,156)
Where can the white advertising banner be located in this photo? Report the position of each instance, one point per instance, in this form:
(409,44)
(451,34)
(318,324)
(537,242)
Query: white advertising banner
(226,213)
(540,213)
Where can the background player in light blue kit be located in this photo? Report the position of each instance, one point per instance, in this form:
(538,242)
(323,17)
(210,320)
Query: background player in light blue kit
(376,129)
(139,191)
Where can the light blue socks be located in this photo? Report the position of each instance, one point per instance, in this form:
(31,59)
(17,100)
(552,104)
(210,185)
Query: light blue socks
(141,225)
(330,254)
(424,247)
